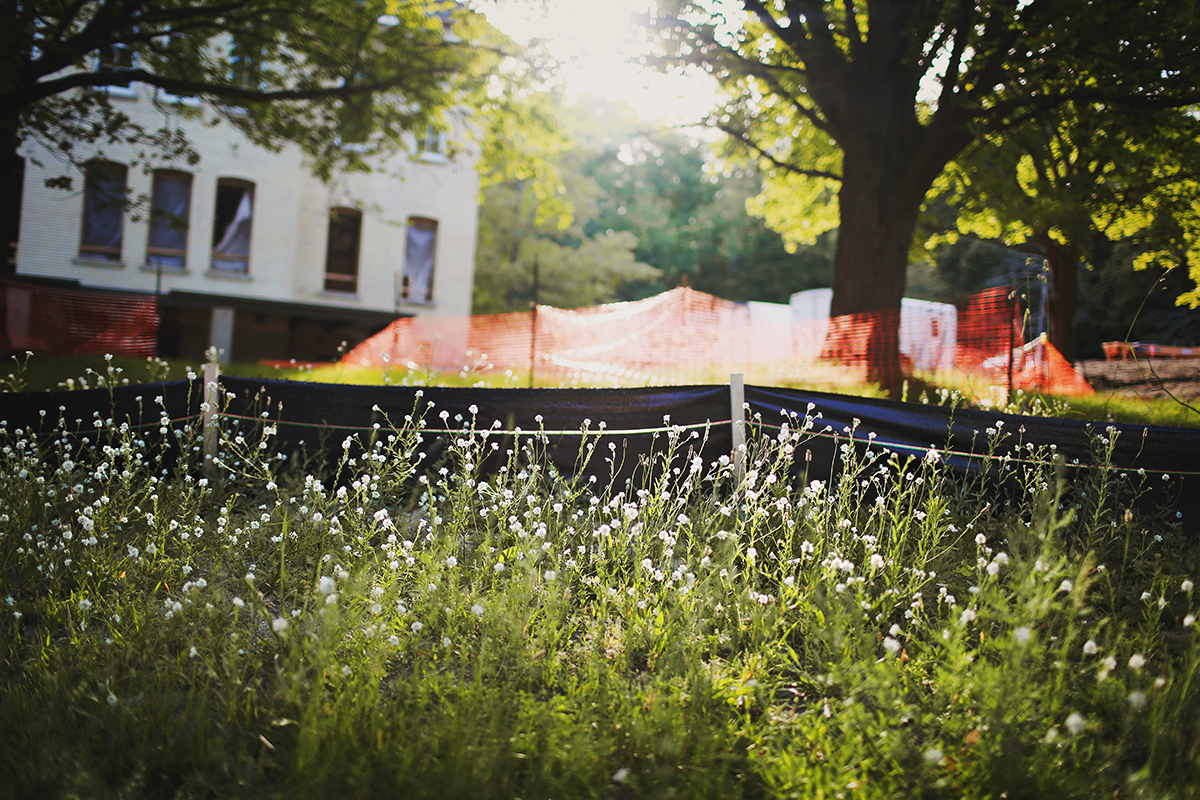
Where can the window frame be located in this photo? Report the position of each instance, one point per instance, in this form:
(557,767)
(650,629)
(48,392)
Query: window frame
(163,97)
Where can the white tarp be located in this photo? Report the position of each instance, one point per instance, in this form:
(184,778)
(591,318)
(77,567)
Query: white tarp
(928,330)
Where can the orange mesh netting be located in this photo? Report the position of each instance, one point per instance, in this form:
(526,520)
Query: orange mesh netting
(1039,366)
(686,336)
(986,320)
(44,319)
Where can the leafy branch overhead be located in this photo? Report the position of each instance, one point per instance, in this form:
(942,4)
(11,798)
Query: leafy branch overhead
(320,74)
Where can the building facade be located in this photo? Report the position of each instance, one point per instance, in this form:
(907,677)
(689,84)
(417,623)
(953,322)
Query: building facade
(247,251)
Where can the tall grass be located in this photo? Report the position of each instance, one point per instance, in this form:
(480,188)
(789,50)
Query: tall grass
(255,627)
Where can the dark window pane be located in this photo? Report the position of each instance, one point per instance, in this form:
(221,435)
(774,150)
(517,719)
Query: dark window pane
(170,209)
(103,211)
(341,254)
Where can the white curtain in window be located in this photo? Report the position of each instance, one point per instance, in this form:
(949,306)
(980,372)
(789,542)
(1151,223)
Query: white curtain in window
(235,241)
(418,262)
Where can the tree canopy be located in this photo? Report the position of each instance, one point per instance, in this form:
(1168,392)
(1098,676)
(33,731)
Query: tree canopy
(1078,172)
(872,98)
(308,71)
(321,74)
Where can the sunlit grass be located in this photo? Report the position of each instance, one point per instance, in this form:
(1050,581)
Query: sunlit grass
(41,373)
(1100,407)
(397,628)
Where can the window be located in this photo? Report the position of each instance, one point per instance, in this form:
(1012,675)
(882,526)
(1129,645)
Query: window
(179,48)
(103,211)
(231,226)
(416,285)
(166,98)
(117,58)
(432,146)
(245,65)
(341,253)
(170,210)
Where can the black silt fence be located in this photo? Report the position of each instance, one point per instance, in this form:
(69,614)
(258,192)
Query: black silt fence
(312,415)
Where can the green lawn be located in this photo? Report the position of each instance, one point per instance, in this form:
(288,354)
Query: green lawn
(384,630)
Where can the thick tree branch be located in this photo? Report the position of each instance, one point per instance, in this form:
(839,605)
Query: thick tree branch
(852,33)
(223,91)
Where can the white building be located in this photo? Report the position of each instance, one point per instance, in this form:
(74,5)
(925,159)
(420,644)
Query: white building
(247,250)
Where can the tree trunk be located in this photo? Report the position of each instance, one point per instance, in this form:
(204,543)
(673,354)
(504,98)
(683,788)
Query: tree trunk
(878,215)
(1063,261)
(12,178)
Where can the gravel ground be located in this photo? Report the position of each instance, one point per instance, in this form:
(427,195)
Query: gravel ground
(1146,377)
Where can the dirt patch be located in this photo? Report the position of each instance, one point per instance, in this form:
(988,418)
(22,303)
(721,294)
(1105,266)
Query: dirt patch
(1146,378)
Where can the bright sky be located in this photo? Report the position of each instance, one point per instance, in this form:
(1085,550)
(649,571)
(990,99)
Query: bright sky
(595,39)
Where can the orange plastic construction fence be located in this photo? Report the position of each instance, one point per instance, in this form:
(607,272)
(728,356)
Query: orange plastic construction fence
(685,336)
(46,319)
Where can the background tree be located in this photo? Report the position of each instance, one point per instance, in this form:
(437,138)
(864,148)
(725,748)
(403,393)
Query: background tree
(691,221)
(648,211)
(1057,183)
(523,227)
(317,73)
(573,268)
(1123,301)
(875,97)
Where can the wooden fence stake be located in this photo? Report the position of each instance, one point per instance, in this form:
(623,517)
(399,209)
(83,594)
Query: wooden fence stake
(737,413)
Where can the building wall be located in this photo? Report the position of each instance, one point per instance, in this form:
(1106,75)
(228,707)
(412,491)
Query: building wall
(289,229)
